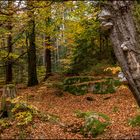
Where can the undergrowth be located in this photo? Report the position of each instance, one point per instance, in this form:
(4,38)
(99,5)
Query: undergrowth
(94,123)
(135,121)
(22,114)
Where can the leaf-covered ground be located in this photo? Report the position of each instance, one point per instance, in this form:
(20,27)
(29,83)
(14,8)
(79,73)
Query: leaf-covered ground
(120,107)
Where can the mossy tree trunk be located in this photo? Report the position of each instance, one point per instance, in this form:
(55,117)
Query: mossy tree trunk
(9,74)
(32,71)
(8,63)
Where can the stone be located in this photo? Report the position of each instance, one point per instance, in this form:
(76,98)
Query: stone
(89,98)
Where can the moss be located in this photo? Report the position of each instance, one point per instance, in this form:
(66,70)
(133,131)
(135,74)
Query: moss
(76,86)
(76,90)
(135,121)
(78,79)
(10,85)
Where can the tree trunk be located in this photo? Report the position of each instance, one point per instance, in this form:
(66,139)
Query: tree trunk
(124,39)
(9,75)
(8,63)
(47,43)
(47,57)
(32,72)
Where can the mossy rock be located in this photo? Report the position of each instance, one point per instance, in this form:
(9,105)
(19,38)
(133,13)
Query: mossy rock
(76,90)
(102,86)
(79,79)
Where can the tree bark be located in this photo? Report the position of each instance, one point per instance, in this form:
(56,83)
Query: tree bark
(9,74)
(9,91)
(125,42)
(8,63)
(32,71)
(47,58)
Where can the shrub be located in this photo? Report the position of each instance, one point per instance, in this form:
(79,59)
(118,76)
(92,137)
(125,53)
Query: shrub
(94,123)
(4,123)
(21,112)
(135,121)
(23,118)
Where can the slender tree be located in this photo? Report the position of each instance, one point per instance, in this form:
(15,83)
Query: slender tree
(8,64)
(47,58)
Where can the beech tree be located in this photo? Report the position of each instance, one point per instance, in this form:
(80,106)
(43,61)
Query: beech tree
(116,17)
(7,27)
(47,44)
(32,72)
(47,57)
(9,44)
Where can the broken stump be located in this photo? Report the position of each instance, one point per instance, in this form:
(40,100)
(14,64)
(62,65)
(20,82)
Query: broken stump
(9,92)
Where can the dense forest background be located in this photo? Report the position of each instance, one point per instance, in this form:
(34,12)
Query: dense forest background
(60,77)
(44,37)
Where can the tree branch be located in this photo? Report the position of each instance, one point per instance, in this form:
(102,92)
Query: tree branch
(14,61)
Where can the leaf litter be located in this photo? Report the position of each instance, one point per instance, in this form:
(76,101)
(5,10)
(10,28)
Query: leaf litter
(120,107)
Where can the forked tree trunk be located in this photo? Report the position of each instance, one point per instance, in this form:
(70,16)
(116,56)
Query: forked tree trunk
(124,39)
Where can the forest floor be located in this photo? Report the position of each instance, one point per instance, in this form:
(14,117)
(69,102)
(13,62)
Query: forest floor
(119,106)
